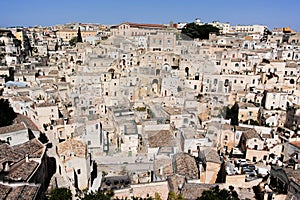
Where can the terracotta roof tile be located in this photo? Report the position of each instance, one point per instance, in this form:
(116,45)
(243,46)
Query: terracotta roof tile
(12,128)
(162,138)
(296,144)
(27,121)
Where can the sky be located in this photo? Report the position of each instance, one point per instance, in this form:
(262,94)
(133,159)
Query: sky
(272,13)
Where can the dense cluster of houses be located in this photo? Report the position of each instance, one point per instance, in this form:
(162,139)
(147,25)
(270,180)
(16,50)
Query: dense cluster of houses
(137,109)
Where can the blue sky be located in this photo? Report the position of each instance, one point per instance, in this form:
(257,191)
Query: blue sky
(273,13)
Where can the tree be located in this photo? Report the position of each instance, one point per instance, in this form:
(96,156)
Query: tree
(173,196)
(79,38)
(7,113)
(61,194)
(157,196)
(235,114)
(73,41)
(194,30)
(98,195)
(232,114)
(216,194)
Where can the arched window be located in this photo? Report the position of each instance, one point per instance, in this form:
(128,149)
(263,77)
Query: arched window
(226,83)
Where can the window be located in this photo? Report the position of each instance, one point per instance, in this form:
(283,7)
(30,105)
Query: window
(78,171)
(89,142)
(215,81)
(185,121)
(265,157)
(226,83)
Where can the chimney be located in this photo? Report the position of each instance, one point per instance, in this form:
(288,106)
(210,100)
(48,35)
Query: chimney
(27,158)
(6,167)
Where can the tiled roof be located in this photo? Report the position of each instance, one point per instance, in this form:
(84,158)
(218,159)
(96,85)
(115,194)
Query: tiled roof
(18,192)
(212,155)
(194,190)
(296,144)
(12,128)
(227,127)
(27,121)
(162,138)
(45,104)
(18,152)
(22,172)
(185,165)
(266,135)
(22,98)
(293,175)
(144,25)
(23,93)
(246,105)
(34,148)
(4,190)
(73,146)
(7,153)
(251,133)
(163,163)
(240,128)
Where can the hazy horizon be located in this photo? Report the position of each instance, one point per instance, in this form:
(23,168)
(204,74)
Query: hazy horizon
(272,13)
